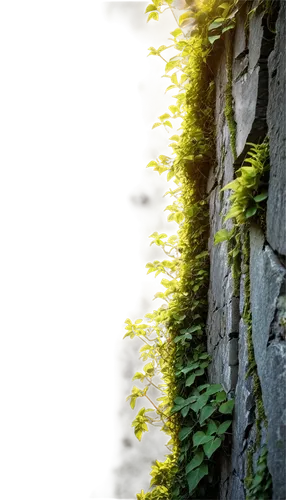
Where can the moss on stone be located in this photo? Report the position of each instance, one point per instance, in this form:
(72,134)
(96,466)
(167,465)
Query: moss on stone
(249,467)
(228,111)
(261,418)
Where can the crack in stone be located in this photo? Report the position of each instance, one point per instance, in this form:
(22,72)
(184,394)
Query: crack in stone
(216,345)
(213,188)
(280,257)
(242,55)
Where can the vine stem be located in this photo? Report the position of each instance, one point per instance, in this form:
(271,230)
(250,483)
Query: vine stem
(173,15)
(154,385)
(159,411)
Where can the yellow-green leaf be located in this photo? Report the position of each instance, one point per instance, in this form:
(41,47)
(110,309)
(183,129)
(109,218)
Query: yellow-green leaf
(150,8)
(212,39)
(138,433)
(222,235)
(153,15)
(224,5)
(185,17)
(171,63)
(138,376)
(232,185)
(176,32)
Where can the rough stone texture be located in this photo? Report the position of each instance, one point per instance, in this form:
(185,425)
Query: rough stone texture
(276,117)
(254,63)
(250,80)
(267,277)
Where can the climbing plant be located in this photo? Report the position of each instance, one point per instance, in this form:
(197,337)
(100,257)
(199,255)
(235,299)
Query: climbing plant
(195,414)
(247,202)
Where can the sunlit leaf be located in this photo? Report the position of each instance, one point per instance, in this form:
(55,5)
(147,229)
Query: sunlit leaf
(153,15)
(185,17)
(150,8)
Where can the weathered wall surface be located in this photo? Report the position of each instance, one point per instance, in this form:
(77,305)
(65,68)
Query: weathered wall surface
(259,104)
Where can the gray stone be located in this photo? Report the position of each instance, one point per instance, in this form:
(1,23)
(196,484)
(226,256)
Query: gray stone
(240,45)
(267,277)
(250,89)
(233,352)
(233,376)
(256,32)
(243,411)
(227,333)
(228,170)
(217,325)
(276,118)
(236,488)
(232,316)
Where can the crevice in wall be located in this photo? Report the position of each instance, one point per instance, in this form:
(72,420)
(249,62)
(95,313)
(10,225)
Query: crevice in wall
(259,127)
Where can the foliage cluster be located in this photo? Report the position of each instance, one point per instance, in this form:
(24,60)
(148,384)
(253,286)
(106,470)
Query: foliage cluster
(249,188)
(193,412)
(259,484)
(248,194)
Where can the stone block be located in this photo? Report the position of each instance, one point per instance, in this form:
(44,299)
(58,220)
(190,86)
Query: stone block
(267,277)
(276,118)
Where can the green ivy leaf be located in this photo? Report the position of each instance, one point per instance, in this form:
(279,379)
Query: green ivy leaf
(206,412)
(261,197)
(258,478)
(201,438)
(205,355)
(215,25)
(202,387)
(213,389)
(184,433)
(183,338)
(204,364)
(221,396)
(195,462)
(224,426)
(196,475)
(211,446)
(195,329)
(227,407)
(190,380)
(200,371)
(212,428)
(202,401)
(190,367)
(250,212)
(179,401)
(227,28)
(185,410)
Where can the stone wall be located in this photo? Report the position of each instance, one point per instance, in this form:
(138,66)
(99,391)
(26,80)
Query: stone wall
(259,105)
